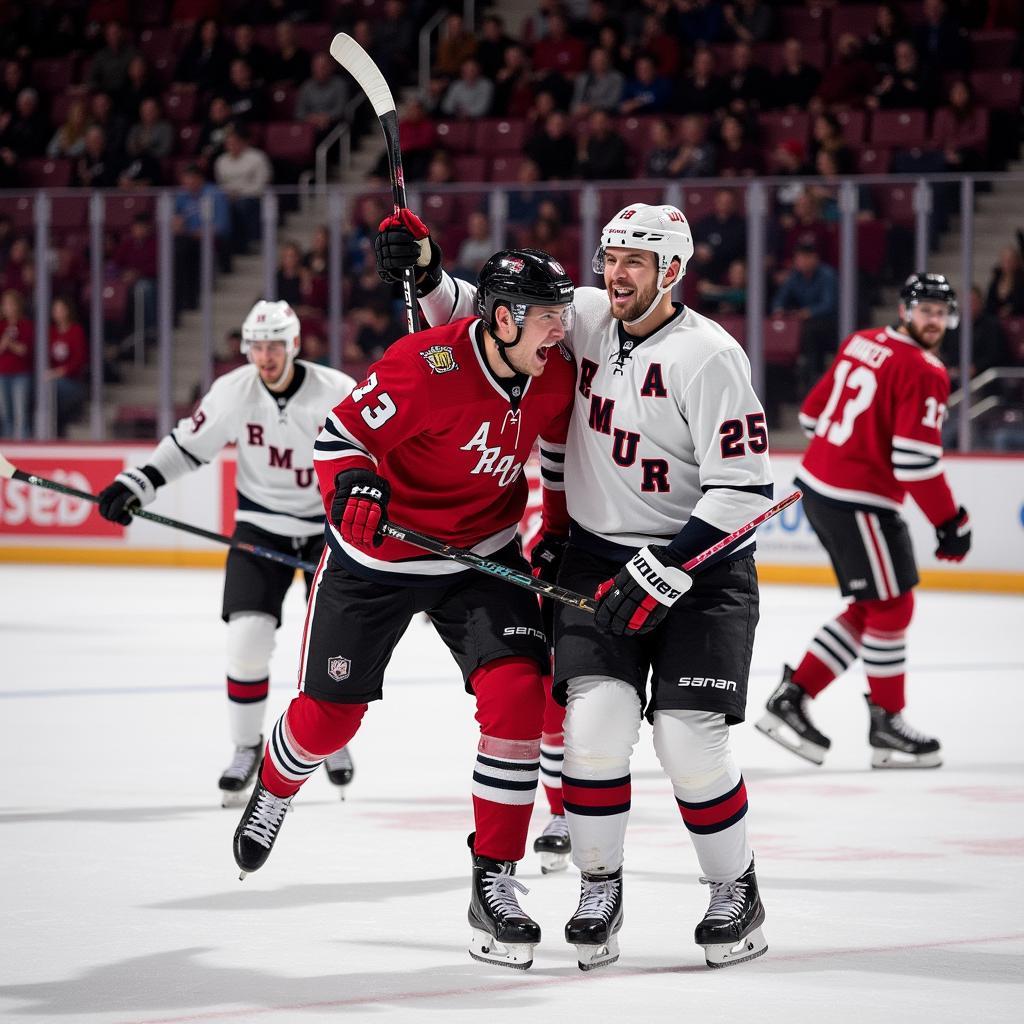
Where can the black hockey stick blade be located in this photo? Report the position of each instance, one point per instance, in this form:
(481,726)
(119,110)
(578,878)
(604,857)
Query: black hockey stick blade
(10,472)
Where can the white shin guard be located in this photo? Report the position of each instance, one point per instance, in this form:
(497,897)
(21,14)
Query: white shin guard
(602,725)
(250,643)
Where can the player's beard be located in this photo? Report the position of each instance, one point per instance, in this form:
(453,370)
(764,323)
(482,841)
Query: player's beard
(929,341)
(643,299)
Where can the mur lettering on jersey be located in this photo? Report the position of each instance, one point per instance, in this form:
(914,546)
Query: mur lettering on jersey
(505,468)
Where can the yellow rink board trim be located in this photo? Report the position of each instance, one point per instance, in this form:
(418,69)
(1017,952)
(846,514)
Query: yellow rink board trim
(812,575)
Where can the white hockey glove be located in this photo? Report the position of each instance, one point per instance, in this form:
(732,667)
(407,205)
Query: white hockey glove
(637,600)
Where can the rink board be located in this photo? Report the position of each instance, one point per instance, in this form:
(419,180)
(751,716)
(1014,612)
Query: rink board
(37,525)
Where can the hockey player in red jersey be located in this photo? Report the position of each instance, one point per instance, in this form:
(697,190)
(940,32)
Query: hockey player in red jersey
(875,422)
(437,437)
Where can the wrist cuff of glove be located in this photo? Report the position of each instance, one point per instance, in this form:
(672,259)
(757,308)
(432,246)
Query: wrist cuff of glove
(429,277)
(349,478)
(665,583)
(142,481)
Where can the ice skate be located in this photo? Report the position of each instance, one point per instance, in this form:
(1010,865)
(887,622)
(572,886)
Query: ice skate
(553,845)
(340,769)
(894,744)
(786,721)
(261,822)
(503,933)
(238,776)
(731,930)
(593,929)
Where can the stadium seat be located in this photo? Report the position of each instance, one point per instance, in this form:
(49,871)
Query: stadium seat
(778,126)
(871,246)
(53,76)
(188,139)
(998,89)
(1013,327)
(494,135)
(439,208)
(180,104)
(807,25)
(69,213)
(314,37)
(470,168)
(282,102)
(506,168)
(895,203)
(290,142)
(854,125)
(157,41)
(121,209)
(873,161)
(993,48)
(858,19)
(46,173)
(19,209)
(782,339)
(456,136)
(899,128)
(735,324)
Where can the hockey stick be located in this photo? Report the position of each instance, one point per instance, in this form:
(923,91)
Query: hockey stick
(8,471)
(359,64)
(550,590)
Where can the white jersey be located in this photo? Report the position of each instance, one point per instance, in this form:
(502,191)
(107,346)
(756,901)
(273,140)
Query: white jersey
(274,434)
(664,427)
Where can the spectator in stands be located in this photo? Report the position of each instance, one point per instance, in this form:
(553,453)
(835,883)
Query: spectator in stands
(988,340)
(243,173)
(104,114)
(188,224)
(728,297)
(796,81)
(440,170)
(26,131)
(289,62)
(646,91)
(890,27)
(188,12)
(244,97)
(737,153)
(1006,287)
(97,167)
(747,85)
(524,202)
(847,78)
(559,51)
(109,70)
(13,81)
(720,237)
(659,45)
(19,268)
(941,41)
(205,60)
(553,149)
(961,129)
(395,36)
(788,158)
(136,260)
(601,154)
(314,348)
(701,21)
(662,148)
(270,12)
(493,42)
(16,345)
(69,356)
(68,140)
(454,45)
(827,134)
(152,135)
(358,240)
(701,90)
(600,87)
(375,333)
(294,280)
(214,132)
(697,155)
(513,84)
(476,249)
(804,226)
(749,21)
(140,172)
(369,292)
(829,166)
(811,291)
(318,258)
(907,84)
(323,97)
(245,47)
(140,85)
(597,18)
(6,240)
(470,95)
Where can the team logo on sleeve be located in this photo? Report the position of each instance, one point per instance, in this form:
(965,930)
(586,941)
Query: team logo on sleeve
(338,668)
(440,358)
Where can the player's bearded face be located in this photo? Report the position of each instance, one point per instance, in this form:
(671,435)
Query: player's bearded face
(630,278)
(926,323)
(543,328)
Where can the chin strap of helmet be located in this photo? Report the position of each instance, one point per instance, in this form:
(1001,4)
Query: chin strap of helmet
(492,329)
(662,290)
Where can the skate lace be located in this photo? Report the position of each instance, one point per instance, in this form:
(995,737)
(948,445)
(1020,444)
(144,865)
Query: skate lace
(266,817)
(597,899)
(900,727)
(339,760)
(557,827)
(727,899)
(242,763)
(500,891)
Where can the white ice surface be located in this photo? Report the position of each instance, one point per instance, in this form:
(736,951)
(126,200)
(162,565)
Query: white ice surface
(891,896)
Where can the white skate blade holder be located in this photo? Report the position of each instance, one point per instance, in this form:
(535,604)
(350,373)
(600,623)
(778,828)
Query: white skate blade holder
(749,947)
(590,958)
(488,950)
(776,729)
(552,862)
(885,758)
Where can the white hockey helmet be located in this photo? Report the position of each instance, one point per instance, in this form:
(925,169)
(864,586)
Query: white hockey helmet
(272,321)
(663,230)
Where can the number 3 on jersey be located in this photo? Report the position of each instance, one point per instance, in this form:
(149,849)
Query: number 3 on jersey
(376,415)
(854,392)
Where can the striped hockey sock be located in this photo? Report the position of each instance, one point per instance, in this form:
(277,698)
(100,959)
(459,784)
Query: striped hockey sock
(718,828)
(597,811)
(833,650)
(885,662)
(504,787)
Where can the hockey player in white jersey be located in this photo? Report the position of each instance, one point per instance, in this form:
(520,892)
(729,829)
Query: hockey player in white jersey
(666,455)
(272,409)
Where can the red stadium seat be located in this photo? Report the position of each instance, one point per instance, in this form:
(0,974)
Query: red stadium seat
(782,339)
(115,298)
(188,139)
(993,48)
(157,41)
(873,161)
(735,324)
(899,128)
(469,168)
(494,135)
(698,202)
(801,23)
(69,212)
(314,37)
(858,19)
(1013,327)
(19,209)
(290,142)
(895,203)
(121,209)
(46,173)
(778,126)
(999,89)
(180,104)
(854,125)
(439,209)
(456,136)
(54,75)
(506,168)
(282,102)
(871,246)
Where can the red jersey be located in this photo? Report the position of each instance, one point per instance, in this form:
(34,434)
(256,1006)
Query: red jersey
(17,340)
(68,350)
(875,420)
(452,439)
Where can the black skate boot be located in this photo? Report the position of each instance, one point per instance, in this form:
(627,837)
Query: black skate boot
(731,930)
(502,933)
(593,929)
(261,821)
(786,721)
(895,745)
(340,769)
(238,775)
(553,845)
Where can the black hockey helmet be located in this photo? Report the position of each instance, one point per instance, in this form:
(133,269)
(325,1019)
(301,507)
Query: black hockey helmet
(516,279)
(930,288)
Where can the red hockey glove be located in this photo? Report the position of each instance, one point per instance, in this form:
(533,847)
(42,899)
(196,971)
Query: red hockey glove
(360,506)
(954,536)
(639,597)
(404,241)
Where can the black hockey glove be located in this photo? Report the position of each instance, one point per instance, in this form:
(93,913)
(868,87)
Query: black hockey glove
(360,507)
(130,490)
(954,536)
(639,597)
(404,241)
(546,559)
